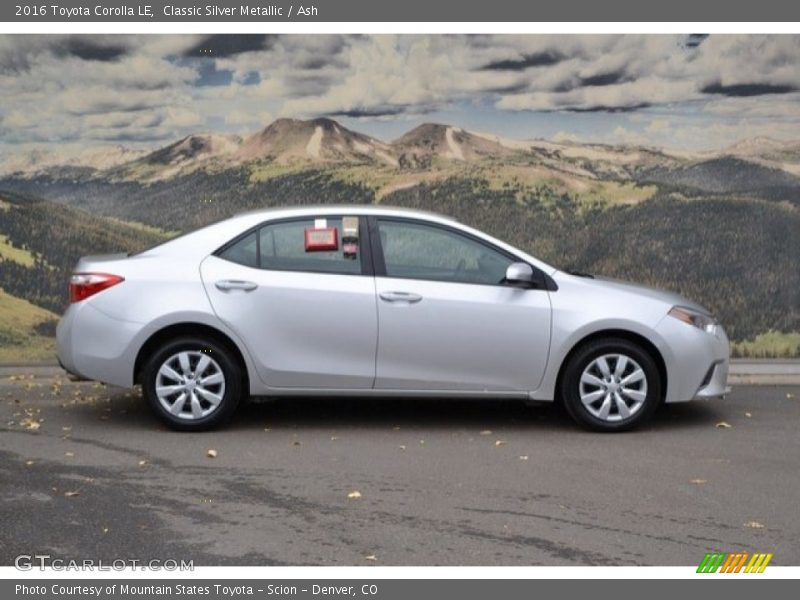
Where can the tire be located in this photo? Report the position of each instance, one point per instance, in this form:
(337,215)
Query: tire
(184,398)
(605,372)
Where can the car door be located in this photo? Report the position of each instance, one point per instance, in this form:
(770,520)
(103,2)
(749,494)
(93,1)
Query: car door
(445,319)
(307,314)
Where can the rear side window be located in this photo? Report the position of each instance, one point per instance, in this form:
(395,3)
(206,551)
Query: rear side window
(243,252)
(323,245)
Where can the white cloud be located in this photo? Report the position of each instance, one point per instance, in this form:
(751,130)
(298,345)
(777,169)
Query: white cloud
(142,91)
(566,137)
(250,119)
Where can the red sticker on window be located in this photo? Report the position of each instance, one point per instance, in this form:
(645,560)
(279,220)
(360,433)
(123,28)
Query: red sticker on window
(321,240)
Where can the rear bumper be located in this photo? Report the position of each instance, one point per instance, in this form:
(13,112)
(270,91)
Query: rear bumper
(70,375)
(92,345)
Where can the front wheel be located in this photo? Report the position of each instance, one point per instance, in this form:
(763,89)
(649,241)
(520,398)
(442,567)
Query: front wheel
(192,384)
(611,385)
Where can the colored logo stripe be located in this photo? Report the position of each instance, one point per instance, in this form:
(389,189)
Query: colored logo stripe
(734,562)
(711,562)
(758,563)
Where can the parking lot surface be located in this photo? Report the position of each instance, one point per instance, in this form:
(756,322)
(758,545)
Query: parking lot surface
(87,472)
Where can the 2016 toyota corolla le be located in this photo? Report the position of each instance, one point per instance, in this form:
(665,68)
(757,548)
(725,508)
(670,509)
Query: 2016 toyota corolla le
(362,300)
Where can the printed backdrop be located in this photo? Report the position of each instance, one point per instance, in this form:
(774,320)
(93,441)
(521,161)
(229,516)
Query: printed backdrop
(669,160)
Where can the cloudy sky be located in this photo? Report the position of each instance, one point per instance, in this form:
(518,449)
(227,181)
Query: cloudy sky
(684,92)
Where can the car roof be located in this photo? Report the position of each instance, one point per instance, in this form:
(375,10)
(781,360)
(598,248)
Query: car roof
(356,209)
(208,239)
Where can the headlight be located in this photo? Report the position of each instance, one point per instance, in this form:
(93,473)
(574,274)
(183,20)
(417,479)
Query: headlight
(691,317)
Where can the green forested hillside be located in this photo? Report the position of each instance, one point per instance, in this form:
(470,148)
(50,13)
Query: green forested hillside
(26,330)
(727,175)
(737,254)
(55,237)
(189,201)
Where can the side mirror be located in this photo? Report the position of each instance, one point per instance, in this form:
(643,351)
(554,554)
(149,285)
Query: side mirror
(519,273)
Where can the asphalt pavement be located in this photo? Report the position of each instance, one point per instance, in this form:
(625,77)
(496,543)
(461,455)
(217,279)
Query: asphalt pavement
(87,472)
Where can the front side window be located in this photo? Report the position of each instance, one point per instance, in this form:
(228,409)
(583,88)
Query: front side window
(323,245)
(419,251)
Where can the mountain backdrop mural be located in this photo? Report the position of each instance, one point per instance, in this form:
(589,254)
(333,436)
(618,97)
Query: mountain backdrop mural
(669,160)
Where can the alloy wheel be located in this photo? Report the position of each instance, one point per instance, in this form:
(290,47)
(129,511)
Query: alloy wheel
(613,387)
(190,385)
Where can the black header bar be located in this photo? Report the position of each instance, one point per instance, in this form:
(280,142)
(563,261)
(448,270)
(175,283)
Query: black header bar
(182,11)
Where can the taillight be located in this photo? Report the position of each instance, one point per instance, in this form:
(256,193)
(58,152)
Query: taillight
(84,285)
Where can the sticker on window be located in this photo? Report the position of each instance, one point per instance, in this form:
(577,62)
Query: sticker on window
(350,237)
(321,239)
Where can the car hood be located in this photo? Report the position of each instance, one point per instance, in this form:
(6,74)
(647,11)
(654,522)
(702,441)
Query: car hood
(665,296)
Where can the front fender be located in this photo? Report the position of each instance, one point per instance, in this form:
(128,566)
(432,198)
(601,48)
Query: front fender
(566,339)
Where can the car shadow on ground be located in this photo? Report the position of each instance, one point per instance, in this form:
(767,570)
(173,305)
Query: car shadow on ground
(429,413)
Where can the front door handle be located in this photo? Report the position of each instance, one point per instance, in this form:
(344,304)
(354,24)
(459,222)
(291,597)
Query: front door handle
(236,284)
(400,297)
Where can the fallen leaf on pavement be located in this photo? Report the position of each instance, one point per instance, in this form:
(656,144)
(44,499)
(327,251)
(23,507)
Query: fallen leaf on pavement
(297,443)
(354,494)
(30,424)
(723,425)
(500,443)
(211,453)
(754,525)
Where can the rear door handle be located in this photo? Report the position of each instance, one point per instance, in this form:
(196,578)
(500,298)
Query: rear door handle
(236,284)
(400,297)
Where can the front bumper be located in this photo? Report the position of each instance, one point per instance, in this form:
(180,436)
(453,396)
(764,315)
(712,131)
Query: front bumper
(696,361)
(715,383)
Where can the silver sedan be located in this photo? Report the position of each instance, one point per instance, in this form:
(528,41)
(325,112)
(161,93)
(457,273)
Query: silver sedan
(371,301)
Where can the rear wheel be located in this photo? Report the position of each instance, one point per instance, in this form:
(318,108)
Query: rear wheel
(611,384)
(192,383)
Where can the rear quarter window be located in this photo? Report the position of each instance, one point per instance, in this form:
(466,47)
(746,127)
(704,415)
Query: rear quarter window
(244,252)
